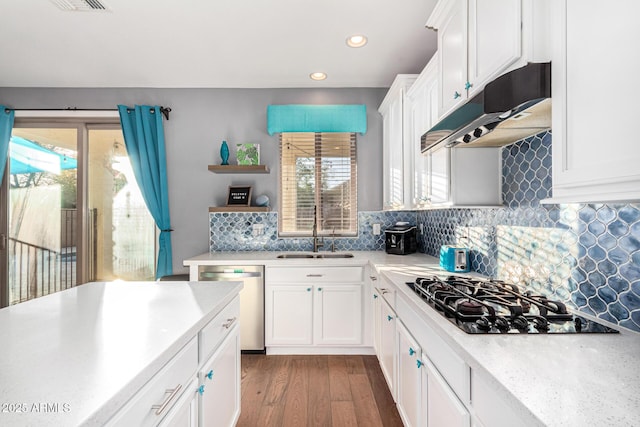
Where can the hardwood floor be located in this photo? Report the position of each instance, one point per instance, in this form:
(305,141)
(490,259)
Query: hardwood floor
(295,391)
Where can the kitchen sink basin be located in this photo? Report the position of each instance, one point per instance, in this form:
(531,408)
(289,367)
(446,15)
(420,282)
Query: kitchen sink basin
(310,256)
(293,256)
(334,256)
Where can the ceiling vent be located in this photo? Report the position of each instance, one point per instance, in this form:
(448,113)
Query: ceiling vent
(81,5)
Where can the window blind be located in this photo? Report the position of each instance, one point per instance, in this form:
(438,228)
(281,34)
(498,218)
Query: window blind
(318,173)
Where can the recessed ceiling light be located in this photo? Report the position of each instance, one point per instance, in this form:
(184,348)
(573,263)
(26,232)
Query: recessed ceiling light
(357,40)
(318,76)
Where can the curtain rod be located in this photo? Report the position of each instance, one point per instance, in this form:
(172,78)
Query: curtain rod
(164,110)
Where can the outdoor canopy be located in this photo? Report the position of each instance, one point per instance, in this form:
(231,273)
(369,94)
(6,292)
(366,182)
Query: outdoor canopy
(28,157)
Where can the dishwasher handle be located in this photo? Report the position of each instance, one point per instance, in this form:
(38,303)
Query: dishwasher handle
(221,275)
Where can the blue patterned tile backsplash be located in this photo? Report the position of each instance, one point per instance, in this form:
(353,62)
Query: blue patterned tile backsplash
(587,255)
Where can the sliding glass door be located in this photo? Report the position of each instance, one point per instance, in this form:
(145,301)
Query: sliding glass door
(71,211)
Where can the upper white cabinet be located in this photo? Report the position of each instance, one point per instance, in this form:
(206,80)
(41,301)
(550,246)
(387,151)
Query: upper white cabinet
(479,40)
(423,97)
(396,125)
(596,154)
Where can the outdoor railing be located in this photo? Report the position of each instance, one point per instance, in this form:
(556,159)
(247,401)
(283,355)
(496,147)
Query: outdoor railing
(36,271)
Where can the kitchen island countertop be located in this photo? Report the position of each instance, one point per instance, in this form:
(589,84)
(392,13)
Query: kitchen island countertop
(76,356)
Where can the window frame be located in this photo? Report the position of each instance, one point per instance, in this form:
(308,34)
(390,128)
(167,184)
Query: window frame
(353,197)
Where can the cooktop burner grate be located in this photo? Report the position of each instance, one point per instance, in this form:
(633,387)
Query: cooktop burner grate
(480,306)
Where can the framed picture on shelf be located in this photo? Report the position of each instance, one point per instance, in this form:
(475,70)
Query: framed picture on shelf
(248,154)
(239,196)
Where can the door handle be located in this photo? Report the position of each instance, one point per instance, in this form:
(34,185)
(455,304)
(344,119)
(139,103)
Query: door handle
(3,242)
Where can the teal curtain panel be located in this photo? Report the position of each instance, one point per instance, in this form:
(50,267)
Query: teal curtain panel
(144,140)
(316,118)
(6,126)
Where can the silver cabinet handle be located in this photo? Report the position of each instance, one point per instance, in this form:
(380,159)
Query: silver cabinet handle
(172,393)
(315,275)
(229,323)
(384,291)
(373,278)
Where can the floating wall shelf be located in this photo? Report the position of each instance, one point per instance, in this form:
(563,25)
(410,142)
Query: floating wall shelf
(239,209)
(239,168)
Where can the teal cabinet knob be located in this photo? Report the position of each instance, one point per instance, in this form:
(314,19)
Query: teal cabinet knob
(419,363)
(411,351)
(375,296)
(201,390)
(319,289)
(389,318)
(209,374)
(456,95)
(308,289)
(467,86)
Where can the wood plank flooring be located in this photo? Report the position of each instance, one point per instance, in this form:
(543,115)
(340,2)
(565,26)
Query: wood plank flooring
(296,391)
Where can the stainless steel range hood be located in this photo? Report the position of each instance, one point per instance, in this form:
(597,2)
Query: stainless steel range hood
(513,106)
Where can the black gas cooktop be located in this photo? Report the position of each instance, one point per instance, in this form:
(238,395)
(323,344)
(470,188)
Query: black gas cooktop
(480,306)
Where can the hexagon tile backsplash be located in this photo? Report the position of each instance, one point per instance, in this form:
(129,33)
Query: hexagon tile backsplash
(587,255)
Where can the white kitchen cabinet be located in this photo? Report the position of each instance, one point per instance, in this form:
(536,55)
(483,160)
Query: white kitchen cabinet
(387,356)
(338,314)
(312,306)
(158,396)
(219,382)
(443,408)
(596,155)
(423,96)
(480,40)
(185,411)
(409,396)
(396,128)
(289,315)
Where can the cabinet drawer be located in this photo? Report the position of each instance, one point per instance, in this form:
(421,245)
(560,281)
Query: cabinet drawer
(174,376)
(215,331)
(454,370)
(314,274)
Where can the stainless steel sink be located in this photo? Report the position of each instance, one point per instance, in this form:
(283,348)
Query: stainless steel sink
(309,256)
(293,256)
(334,256)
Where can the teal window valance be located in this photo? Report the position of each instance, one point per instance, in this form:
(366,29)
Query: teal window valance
(316,118)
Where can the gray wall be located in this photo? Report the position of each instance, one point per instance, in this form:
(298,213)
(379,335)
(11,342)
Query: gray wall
(199,121)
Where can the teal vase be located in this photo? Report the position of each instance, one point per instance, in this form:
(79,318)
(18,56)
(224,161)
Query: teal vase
(224,153)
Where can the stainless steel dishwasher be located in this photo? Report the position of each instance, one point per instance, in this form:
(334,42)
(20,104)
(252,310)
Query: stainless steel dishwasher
(251,300)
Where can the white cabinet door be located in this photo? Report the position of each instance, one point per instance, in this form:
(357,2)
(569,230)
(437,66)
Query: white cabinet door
(424,114)
(452,48)
(494,39)
(409,395)
(396,123)
(185,411)
(439,176)
(443,407)
(388,346)
(289,315)
(338,314)
(219,399)
(596,155)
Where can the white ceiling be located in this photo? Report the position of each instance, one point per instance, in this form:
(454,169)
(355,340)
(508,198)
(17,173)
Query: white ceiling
(213,43)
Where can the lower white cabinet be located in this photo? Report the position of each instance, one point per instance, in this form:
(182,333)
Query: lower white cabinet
(289,315)
(443,408)
(314,306)
(185,411)
(175,397)
(219,384)
(409,396)
(387,354)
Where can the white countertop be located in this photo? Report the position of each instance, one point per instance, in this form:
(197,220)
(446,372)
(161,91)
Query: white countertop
(78,355)
(560,380)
